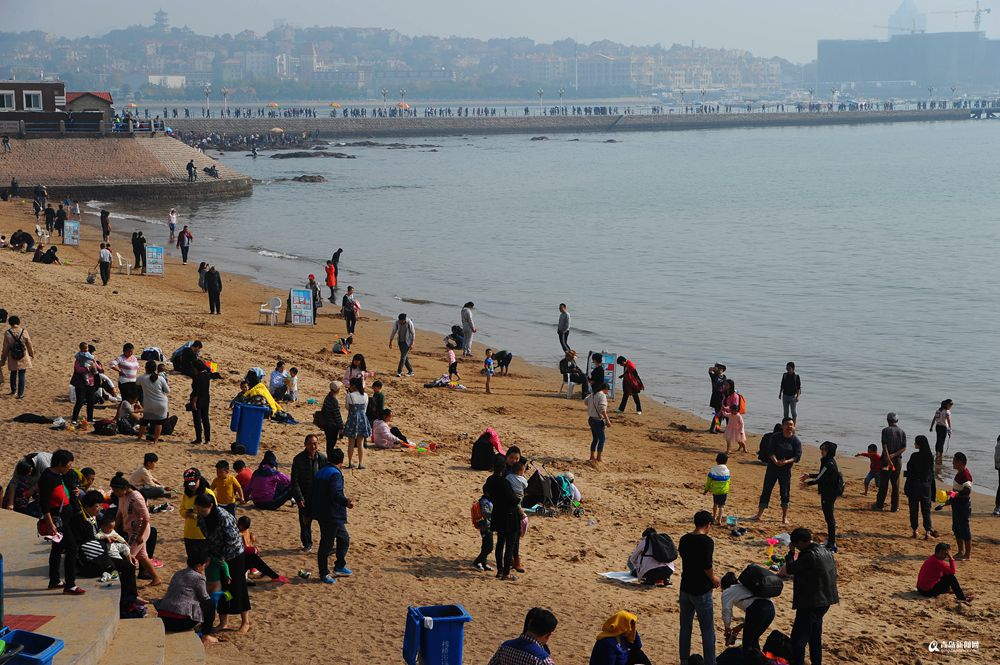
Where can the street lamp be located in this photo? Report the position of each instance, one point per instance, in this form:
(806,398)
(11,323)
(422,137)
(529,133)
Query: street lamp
(385,96)
(225,99)
(402,95)
(540,93)
(208,91)
(561,93)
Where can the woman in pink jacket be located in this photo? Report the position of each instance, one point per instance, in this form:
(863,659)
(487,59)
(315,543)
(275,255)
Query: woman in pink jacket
(133,516)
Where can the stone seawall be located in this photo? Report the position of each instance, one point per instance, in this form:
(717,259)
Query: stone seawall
(338,128)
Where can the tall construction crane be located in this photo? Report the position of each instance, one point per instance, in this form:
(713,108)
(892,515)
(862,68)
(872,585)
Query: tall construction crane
(913,31)
(977,19)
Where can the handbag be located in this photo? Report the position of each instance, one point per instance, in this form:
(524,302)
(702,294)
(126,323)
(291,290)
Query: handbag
(319,420)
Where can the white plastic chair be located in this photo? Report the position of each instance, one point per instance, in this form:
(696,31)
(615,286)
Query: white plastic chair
(269,311)
(123,265)
(42,234)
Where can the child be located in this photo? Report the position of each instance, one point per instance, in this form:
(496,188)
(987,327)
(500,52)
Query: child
(376,403)
(452,365)
(292,384)
(252,554)
(486,514)
(243,474)
(488,369)
(227,489)
(342,345)
(718,484)
(961,507)
(216,572)
(117,546)
(875,463)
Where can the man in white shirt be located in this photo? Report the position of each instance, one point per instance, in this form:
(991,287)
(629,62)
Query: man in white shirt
(276,384)
(104,263)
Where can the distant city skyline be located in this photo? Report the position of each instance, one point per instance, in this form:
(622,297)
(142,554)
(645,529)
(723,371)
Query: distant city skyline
(784,28)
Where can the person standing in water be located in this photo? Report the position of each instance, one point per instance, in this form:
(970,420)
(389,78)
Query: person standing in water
(941,425)
(791,389)
(172,223)
(468,328)
(562,329)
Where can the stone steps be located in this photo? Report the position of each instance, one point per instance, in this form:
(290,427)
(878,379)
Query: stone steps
(138,641)
(184,649)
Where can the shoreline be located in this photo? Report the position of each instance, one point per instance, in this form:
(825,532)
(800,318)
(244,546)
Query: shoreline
(411,539)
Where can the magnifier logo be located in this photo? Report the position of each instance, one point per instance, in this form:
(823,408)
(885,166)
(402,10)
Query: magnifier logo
(933,647)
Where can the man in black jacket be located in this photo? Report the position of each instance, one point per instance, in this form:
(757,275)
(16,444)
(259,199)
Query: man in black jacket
(138,251)
(333,421)
(814,591)
(304,468)
(785,450)
(56,498)
(213,284)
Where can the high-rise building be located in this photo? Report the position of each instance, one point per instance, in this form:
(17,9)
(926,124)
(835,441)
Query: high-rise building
(907,19)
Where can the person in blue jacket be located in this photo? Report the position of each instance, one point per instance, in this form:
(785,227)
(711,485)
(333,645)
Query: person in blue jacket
(619,643)
(329,507)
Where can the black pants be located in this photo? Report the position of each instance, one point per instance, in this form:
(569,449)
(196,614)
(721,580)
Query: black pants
(781,475)
(184,252)
(351,319)
(886,478)
(487,545)
(85,394)
(921,503)
(759,616)
(194,547)
(942,436)
(831,521)
(65,549)
(508,544)
(564,340)
(808,629)
(635,398)
(332,435)
(202,422)
(105,269)
(171,625)
(945,584)
(254,561)
(215,302)
(236,586)
(138,260)
(126,579)
(997,502)
(17,382)
(330,531)
(305,526)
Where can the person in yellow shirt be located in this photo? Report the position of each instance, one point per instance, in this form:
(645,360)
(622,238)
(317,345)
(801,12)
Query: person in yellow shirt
(226,487)
(194,486)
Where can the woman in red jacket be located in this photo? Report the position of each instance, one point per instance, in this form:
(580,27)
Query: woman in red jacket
(631,385)
(937,575)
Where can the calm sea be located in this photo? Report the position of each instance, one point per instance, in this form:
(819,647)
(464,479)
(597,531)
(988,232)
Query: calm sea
(867,255)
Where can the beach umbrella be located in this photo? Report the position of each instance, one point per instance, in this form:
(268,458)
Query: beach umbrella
(334,105)
(132,105)
(277,130)
(403,105)
(273,105)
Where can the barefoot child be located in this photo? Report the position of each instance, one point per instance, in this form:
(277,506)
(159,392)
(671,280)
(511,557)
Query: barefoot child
(875,464)
(488,367)
(252,554)
(452,365)
(717,483)
(961,507)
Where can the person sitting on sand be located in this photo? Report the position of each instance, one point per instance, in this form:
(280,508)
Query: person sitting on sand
(50,257)
(937,575)
(255,565)
(619,643)
(531,647)
(142,478)
(645,566)
(187,605)
(386,436)
(269,488)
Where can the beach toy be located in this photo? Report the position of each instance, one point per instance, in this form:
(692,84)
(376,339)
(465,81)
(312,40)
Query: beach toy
(310,401)
(771,542)
(219,596)
(304,574)
(731,520)
(942,496)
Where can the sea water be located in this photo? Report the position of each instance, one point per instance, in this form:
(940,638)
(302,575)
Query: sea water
(867,255)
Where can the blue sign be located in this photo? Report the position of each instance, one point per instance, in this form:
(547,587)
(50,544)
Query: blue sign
(71,233)
(608,363)
(301,306)
(154,260)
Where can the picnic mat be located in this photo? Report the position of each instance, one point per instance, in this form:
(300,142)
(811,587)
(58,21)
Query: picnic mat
(28,622)
(624,577)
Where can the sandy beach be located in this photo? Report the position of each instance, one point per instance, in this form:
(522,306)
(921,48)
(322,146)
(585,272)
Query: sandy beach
(411,538)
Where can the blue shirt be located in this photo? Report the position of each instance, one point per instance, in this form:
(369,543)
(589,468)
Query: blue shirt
(328,500)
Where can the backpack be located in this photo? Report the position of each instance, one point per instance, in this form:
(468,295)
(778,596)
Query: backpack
(761,582)
(482,453)
(106,427)
(840,483)
(742,404)
(151,353)
(17,348)
(660,545)
(778,645)
(482,511)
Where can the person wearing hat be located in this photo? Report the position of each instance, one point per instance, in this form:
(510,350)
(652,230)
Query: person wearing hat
(331,418)
(194,486)
(572,373)
(893,447)
(618,642)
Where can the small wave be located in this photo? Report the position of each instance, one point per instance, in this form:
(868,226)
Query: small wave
(381,188)
(421,301)
(274,254)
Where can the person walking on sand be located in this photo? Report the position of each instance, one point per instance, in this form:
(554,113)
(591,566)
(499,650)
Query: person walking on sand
(332,420)
(597,418)
(735,432)
(172,223)
(468,327)
(349,308)
(786,450)
(104,259)
(139,251)
(920,486)
(631,385)
(562,328)
(329,506)
(698,579)
(789,392)
(941,425)
(814,572)
(17,354)
(357,428)
(184,240)
(405,330)
(213,285)
(830,484)
(106,225)
(893,447)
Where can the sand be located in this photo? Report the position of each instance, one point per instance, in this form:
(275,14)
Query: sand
(412,541)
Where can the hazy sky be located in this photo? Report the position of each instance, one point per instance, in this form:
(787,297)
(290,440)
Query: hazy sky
(787,28)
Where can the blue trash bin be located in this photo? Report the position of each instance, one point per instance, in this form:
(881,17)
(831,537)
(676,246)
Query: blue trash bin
(36,649)
(234,421)
(250,427)
(435,635)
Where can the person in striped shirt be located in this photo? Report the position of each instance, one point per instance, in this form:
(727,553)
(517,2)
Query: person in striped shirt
(531,647)
(127,366)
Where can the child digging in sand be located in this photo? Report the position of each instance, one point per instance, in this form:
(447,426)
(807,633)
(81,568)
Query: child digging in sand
(875,464)
(717,483)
